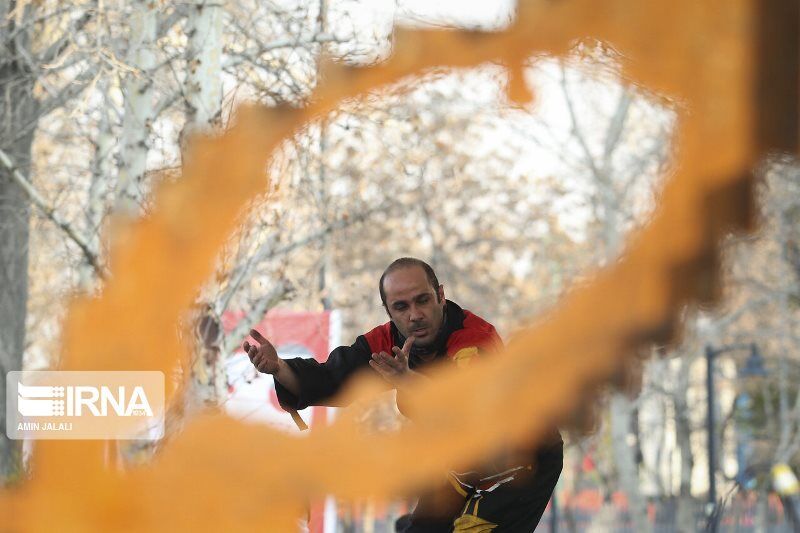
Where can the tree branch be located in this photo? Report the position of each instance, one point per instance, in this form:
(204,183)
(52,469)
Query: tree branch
(166,24)
(265,252)
(248,55)
(24,25)
(49,212)
(616,126)
(232,339)
(60,45)
(576,130)
(67,93)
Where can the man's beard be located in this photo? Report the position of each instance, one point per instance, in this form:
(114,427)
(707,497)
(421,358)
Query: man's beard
(425,345)
(436,343)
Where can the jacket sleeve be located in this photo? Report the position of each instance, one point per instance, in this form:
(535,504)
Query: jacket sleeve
(319,382)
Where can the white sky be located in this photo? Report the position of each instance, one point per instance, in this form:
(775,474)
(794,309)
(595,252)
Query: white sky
(485,13)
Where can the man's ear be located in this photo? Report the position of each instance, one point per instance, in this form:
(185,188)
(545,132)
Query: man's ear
(440,293)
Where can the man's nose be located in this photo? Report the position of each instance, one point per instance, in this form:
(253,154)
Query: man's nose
(415,313)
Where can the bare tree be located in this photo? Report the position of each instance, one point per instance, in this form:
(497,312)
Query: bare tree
(42,49)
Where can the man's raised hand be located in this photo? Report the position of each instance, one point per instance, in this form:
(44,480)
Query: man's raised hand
(393,369)
(263,356)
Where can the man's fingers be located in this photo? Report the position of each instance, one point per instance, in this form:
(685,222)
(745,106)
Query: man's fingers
(252,353)
(258,337)
(246,347)
(400,355)
(257,361)
(385,360)
(258,354)
(407,345)
(390,361)
(380,369)
(376,366)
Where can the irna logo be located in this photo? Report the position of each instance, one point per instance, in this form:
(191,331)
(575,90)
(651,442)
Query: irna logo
(82,399)
(71,404)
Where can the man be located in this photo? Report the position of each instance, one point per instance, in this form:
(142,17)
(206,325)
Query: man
(425,328)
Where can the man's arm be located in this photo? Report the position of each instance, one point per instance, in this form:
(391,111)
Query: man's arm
(300,382)
(287,377)
(265,358)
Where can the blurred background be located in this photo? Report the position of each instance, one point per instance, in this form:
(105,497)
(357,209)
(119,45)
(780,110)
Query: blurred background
(510,204)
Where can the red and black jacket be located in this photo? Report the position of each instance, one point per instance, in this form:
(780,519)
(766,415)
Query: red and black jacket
(466,335)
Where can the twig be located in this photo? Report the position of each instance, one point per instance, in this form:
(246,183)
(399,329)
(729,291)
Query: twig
(255,313)
(50,212)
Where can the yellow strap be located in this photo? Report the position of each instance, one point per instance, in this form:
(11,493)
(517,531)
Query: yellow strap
(301,424)
(456,485)
(472,524)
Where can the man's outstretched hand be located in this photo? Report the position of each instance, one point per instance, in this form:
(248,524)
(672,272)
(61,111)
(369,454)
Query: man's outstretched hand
(263,356)
(393,369)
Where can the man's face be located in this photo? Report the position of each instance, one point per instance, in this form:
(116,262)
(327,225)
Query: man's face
(412,304)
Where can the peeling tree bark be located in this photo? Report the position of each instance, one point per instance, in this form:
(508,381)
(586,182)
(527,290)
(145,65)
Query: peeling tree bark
(102,172)
(18,108)
(137,123)
(203,103)
(203,85)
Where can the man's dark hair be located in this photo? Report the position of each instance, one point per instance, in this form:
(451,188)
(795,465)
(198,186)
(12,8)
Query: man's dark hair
(405,262)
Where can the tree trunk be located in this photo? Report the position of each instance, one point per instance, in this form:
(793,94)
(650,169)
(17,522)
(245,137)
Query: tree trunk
(19,111)
(203,93)
(102,172)
(686,504)
(208,380)
(203,85)
(139,106)
(624,458)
